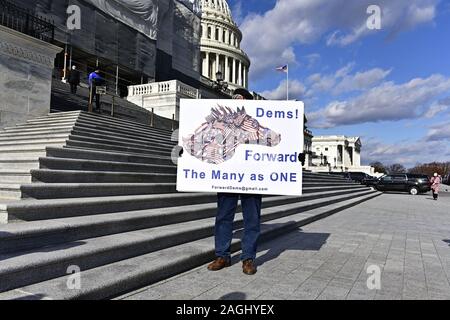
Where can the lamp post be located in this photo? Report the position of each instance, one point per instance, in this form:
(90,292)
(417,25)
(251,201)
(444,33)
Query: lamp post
(220,85)
(321,158)
(335,163)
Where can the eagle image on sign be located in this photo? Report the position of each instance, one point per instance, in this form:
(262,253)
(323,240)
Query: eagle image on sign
(216,140)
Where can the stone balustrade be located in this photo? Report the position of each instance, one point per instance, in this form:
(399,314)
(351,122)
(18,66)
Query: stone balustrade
(159,88)
(163,98)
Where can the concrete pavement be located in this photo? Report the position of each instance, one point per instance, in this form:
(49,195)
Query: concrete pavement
(406,237)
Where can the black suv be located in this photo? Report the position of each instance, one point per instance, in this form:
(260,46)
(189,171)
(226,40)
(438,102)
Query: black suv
(354,176)
(412,183)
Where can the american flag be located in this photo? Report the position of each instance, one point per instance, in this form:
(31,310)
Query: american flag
(283,68)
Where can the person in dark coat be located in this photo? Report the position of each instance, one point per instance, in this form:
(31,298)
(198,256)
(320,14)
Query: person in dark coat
(74,79)
(227,205)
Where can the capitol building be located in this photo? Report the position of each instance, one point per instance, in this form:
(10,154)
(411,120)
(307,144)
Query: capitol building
(221,45)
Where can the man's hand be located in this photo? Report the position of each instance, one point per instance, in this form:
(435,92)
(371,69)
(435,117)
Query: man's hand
(302,158)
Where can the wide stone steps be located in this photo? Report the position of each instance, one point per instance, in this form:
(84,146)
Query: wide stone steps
(136,144)
(10,191)
(140,257)
(95,122)
(96,165)
(32,210)
(98,251)
(30,136)
(79,176)
(41,126)
(81,144)
(19,163)
(15,176)
(31,145)
(102,134)
(87,129)
(125,124)
(45,232)
(82,190)
(75,153)
(23,153)
(37,131)
(104,197)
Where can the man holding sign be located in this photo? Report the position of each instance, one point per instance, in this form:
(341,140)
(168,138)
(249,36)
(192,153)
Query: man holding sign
(243,150)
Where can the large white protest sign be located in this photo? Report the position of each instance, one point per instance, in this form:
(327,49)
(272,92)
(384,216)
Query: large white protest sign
(241,146)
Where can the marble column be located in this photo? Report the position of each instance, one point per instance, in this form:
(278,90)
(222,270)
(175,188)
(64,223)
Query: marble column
(206,70)
(227,70)
(234,71)
(240,74)
(217,65)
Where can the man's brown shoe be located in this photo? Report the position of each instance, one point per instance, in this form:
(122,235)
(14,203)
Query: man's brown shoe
(249,268)
(219,264)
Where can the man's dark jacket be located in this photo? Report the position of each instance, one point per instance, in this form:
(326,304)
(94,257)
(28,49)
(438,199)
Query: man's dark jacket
(74,77)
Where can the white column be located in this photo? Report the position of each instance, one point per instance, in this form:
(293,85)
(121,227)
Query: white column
(226,36)
(227,70)
(217,65)
(240,73)
(205,31)
(234,71)
(206,65)
(245,77)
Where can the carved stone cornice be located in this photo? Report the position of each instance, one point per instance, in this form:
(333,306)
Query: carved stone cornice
(29,49)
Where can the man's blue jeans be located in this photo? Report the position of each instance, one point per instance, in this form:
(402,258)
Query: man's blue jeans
(251,207)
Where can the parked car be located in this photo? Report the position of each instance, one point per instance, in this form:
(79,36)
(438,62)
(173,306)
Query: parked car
(370,181)
(358,176)
(446,179)
(412,183)
(353,176)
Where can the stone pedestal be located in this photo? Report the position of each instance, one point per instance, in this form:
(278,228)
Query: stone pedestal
(26,66)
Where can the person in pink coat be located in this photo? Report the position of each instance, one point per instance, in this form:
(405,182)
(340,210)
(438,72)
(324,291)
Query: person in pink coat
(435,184)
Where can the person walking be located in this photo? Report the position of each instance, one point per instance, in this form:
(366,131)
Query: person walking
(74,79)
(95,80)
(435,185)
(227,206)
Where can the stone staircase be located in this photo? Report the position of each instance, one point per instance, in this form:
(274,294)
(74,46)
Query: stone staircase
(99,193)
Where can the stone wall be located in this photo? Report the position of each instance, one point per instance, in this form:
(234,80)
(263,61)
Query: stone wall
(26,66)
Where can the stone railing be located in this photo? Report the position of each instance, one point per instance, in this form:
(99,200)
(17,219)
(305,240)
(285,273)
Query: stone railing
(161,88)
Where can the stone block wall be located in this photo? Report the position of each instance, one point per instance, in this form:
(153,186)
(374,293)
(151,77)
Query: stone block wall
(26,66)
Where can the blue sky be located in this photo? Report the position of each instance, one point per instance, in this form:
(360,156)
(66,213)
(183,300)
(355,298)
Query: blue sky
(391,86)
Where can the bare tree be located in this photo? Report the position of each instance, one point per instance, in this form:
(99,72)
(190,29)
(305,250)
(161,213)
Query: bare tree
(396,168)
(379,167)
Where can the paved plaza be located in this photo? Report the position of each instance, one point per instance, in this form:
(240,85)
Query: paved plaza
(406,237)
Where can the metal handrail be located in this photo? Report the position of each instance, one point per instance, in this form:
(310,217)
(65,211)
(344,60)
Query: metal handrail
(19,19)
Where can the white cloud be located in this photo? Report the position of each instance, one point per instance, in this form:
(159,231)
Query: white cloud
(361,81)
(342,81)
(406,153)
(440,132)
(267,36)
(385,102)
(436,109)
(296,91)
(237,10)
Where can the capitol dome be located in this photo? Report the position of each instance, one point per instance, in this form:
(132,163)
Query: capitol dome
(221,45)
